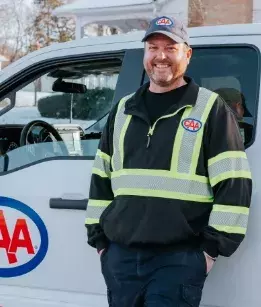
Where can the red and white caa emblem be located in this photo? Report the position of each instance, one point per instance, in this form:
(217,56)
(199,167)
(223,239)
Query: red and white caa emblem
(164,21)
(23,238)
(191,124)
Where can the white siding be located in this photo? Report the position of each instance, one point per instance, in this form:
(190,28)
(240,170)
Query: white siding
(256,11)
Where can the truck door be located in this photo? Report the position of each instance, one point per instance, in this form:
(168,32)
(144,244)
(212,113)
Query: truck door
(51,122)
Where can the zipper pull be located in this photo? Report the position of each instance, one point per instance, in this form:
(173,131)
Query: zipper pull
(149,137)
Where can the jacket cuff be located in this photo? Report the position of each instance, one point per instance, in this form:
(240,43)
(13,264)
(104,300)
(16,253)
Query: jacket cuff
(210,247)
(101,244)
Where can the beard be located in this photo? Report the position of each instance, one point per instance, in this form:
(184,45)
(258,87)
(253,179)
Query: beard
(164,77)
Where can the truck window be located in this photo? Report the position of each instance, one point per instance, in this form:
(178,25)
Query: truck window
(231,71)
(71,101)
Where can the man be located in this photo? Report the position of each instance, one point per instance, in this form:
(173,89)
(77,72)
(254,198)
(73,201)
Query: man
(171,185)
(236,101)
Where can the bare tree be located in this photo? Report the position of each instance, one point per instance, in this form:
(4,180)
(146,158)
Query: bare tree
(19,28)
(14,17)
(47,28)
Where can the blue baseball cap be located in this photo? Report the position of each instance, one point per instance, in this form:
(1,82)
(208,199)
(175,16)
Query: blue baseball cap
(170,27)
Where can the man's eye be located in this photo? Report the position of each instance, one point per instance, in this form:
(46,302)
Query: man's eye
(152,48)
(172,49)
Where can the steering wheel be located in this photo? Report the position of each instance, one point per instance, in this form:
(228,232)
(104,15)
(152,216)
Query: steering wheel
(49,128)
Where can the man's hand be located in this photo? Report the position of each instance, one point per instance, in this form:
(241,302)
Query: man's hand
(210,262)
(101,251)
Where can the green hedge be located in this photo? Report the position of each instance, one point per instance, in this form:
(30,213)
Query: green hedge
(92,105)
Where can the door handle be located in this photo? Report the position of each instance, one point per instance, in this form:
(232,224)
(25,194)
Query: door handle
(71,204)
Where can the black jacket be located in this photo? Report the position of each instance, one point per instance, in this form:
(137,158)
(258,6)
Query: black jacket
(160,223)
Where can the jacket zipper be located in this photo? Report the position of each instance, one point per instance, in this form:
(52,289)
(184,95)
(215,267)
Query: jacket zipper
(151,129)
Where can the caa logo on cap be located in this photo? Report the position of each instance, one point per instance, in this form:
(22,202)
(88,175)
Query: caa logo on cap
(164,21)
(191,124)
(23,238)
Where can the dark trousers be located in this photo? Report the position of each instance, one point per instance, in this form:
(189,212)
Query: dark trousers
(153,279)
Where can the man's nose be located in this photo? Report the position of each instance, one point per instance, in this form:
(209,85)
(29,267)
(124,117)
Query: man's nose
(162,55)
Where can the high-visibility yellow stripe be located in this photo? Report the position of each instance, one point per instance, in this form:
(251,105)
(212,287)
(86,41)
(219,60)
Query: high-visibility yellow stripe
(120,127)
(162,183)
(197,178)
(98,203)
(188,143)
(231,209)
(200,133)
(230,229)
(229,175)
(159,173)
(102,166)
(95,208)
(99,173)
(178,142)
(89,221)
(115,142)
(122,137)
(226,155)
(103,155)
(162,194)
(138,172)
(229,218)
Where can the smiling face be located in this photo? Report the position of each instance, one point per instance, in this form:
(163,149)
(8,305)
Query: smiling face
(165,62)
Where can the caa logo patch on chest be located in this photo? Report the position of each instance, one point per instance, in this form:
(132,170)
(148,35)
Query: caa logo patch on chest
(164,21)
(191,124)
(23,238)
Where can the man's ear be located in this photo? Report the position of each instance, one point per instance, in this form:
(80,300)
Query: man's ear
(188,53)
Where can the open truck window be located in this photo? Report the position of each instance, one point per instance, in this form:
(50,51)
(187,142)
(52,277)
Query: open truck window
(59,114)
(230,67)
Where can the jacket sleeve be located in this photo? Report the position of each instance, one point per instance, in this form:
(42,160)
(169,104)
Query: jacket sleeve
(230,179)
(100,193)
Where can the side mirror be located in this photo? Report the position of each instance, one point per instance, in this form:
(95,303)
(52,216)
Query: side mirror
(68,87)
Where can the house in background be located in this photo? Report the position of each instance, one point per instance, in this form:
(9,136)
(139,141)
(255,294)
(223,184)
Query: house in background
(256,11)
(128,15)
(217,12)
(125,15)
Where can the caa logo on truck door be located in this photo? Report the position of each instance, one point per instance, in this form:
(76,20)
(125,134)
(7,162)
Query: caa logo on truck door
(23,238)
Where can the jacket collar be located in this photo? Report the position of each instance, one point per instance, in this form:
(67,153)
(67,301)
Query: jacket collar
(135,103)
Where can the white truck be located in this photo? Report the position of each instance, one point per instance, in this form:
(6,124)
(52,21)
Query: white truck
(53,105)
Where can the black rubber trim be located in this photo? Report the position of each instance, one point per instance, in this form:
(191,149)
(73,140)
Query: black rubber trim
(73,204)
(6,162)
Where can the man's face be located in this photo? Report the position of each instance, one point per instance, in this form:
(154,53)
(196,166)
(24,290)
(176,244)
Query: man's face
(165,61)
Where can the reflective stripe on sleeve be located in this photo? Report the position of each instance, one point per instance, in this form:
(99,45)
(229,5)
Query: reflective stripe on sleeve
(103,156)
(230,219)
(101,165)
(95,209)
(230,164)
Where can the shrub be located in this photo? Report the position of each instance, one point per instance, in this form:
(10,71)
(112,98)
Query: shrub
(91,105)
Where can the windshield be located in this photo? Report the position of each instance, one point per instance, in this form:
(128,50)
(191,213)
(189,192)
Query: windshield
(83,96)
